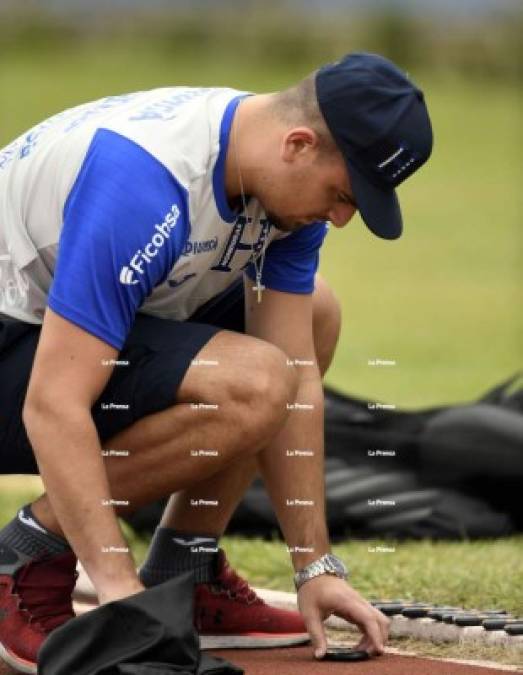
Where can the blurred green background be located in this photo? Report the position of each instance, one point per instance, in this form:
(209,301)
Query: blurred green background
(444,301)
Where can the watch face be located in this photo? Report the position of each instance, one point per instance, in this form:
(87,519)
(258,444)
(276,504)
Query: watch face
(333,563)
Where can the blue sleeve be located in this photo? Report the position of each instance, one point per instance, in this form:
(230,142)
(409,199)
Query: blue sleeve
(291,263)
(125,223)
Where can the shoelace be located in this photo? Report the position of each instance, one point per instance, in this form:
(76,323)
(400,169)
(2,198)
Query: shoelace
(44,588)
(229,583)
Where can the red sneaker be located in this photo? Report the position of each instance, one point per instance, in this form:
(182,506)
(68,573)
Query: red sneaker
(35,598)
(228,614)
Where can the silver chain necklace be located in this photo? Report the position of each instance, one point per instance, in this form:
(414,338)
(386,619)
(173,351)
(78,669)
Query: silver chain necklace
(257,260)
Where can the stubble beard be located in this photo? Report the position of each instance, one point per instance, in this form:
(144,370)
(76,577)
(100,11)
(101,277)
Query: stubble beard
(283,225)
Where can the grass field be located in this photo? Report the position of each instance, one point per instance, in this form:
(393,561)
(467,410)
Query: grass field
(483,574)
(475,575)
(444,302)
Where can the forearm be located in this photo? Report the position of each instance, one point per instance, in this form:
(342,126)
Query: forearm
(68,454)
(294,478)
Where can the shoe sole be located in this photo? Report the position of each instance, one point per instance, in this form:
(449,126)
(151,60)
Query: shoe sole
(16,662)
(252,640)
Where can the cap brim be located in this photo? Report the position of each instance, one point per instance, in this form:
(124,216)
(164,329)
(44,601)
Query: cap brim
(379,209)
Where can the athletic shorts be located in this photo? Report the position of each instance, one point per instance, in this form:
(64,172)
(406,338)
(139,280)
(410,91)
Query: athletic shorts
(158,352)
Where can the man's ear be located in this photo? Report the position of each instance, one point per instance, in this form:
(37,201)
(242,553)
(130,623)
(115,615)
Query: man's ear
(299,142)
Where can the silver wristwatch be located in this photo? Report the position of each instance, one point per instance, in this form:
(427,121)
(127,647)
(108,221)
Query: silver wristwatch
(327,564)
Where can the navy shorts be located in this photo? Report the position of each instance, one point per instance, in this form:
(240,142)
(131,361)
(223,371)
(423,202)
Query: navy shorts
(158,352)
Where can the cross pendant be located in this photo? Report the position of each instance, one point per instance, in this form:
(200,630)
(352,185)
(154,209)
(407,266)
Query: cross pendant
(258,288)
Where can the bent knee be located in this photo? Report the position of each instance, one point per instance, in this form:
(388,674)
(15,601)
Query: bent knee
(251,381)
(265,382)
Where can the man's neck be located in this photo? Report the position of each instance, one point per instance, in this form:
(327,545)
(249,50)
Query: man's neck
(242,148)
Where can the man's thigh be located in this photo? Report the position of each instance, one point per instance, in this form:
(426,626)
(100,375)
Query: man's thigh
(145,378)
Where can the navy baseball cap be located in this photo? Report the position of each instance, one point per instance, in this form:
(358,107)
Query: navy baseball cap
(380,123)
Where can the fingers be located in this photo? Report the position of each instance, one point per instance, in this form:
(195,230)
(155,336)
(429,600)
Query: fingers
(373,624)
(363,645)
(326,595)
(384,623)
(372,631)
(317,633)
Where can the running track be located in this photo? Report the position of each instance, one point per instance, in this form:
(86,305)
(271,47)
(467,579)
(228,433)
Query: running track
(299,661)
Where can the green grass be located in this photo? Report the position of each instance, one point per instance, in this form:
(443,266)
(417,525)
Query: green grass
(442,301)
(474,575)
(481,574)
(15,491)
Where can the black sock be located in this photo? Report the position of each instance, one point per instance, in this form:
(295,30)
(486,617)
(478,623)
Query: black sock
(172,553)
(27,535)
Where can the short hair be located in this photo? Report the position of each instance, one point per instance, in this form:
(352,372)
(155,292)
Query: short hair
(298,105)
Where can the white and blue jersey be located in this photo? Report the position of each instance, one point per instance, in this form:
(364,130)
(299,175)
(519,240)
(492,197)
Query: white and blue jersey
(119,206)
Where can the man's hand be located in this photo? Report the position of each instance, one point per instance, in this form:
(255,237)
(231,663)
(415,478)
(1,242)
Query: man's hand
(324,595)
